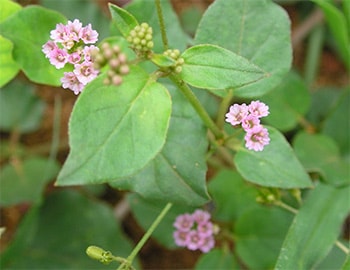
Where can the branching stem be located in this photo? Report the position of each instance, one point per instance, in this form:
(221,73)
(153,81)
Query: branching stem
(162,24)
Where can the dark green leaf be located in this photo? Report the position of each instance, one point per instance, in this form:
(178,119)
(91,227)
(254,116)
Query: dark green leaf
(218,259)
(122,19)
(319,153)
(116,131)
(83,222)
(256,30)
(212,67)
(25,181)
(178,173)
(146,212)
(231,195)
(35,24)
(315,228)
(20,109)
(259,236)
(288,102)
(275,166)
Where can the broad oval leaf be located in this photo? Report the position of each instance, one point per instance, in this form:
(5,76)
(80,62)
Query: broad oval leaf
(9,68)
(178,173)
(256,30)
(122,19)
(116,131)
(319,153)
(35,24)
(212,67)
(315,228)
(275,166)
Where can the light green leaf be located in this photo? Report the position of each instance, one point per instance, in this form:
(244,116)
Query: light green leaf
(8,66)
(256,30)
(259,236)
(315,228)
(122,19)
(178,173)
(35,24)
(40,244)
(20,109)
(218,259)
(275,166)
(7,8)
(116,131)
(25,181)
(212,67)
(288,102)
(146,212)
(319,153)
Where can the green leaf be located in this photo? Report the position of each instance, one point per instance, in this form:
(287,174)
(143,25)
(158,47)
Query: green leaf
(288,102)
(218,259)
(337,23)
(122,19)
(146,212)
(35,23)
(346,265)
(256,30)
(8,66)
(83,222)
(232,196)
(162,60)
(25,181)
(315,228)
(319,153)
(259,236)
(7,8)
(116,131)
(275,166)
(178,173)
(337,124)
(20,109)
(146,11)
(212,67)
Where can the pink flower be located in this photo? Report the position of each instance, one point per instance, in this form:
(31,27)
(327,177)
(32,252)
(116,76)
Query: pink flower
(205,229)
(73,30)
(88,51)
(85,72)
(201,216)
(256,138)
(58,57)
(208,244)
(181,238)
(258,109)
(249,122)
(74,58)
(195,240)
(60,33)
(184,222)
(88,35)
(48,47)
(236,114)
(71,82)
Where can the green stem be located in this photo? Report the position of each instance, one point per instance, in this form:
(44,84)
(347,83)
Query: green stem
(342,247)
(145,237)
(162,24)
(184,88)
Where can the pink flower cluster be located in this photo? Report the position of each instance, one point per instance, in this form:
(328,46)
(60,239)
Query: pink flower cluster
(67,46)
(249,117)
(194,231)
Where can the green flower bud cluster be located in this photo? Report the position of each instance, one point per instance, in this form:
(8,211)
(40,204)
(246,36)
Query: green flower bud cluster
(268,196)
(179,61)
(140,39)
(112,56)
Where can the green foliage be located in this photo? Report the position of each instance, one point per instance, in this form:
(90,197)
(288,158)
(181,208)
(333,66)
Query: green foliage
(55,235)
(29,108)
(122,19)
(35,24)
(315,228)
(217,259)
(8,66)
(25,181)
(8,8)
(246,28)
(104,149)
(275,166)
